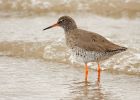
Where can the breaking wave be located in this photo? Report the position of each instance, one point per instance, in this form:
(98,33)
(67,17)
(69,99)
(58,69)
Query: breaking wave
(128,63)
(112,8)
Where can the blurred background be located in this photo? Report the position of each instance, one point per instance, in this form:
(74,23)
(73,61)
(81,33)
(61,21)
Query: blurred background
(108,8)
(36,64)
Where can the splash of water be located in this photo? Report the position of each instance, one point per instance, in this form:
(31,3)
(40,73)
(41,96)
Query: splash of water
(127,63)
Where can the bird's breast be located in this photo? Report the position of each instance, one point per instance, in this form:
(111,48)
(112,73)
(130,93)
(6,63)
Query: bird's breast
(70,41)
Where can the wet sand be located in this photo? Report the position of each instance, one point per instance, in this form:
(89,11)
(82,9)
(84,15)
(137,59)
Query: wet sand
(30,79)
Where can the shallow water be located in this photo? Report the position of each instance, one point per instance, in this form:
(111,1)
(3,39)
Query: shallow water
(30,79)
(35,64)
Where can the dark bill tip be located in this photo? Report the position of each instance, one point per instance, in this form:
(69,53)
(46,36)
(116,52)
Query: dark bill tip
(54,25)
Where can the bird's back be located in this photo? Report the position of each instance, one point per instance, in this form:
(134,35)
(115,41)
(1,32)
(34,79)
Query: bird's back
(91,41)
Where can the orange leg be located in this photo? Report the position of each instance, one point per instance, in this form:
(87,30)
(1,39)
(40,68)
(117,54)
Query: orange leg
(86,72)
(99,70)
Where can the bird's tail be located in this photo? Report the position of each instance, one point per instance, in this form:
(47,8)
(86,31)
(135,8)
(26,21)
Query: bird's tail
(117,50)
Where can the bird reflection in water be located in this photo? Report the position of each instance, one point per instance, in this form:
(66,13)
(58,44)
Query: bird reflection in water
(88,91)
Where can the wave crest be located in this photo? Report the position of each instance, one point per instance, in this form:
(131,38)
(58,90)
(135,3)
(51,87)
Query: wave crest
(113,8)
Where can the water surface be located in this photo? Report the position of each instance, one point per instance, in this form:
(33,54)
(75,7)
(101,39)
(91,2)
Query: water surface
(26,79)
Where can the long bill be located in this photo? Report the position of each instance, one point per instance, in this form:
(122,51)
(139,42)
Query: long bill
(54,25)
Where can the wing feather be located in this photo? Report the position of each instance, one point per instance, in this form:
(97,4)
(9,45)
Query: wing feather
(91,41)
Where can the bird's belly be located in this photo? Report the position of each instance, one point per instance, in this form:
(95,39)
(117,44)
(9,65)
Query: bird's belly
(81,55)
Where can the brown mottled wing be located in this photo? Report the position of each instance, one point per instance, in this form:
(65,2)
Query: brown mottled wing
(93,42)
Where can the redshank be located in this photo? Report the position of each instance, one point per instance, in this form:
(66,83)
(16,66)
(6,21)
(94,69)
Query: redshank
(86,46)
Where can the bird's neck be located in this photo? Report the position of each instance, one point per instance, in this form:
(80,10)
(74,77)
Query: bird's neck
(68,28)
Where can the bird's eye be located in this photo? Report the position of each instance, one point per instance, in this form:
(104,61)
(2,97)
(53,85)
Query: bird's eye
(62,20)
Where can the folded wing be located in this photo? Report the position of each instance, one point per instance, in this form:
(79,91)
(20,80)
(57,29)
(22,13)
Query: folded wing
(91,41)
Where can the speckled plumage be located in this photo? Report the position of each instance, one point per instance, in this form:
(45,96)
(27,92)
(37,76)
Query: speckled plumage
(82,55)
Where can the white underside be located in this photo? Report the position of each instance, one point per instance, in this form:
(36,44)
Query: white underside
(80,55)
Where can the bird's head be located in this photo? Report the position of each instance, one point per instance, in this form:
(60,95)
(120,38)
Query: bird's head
(66,22)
